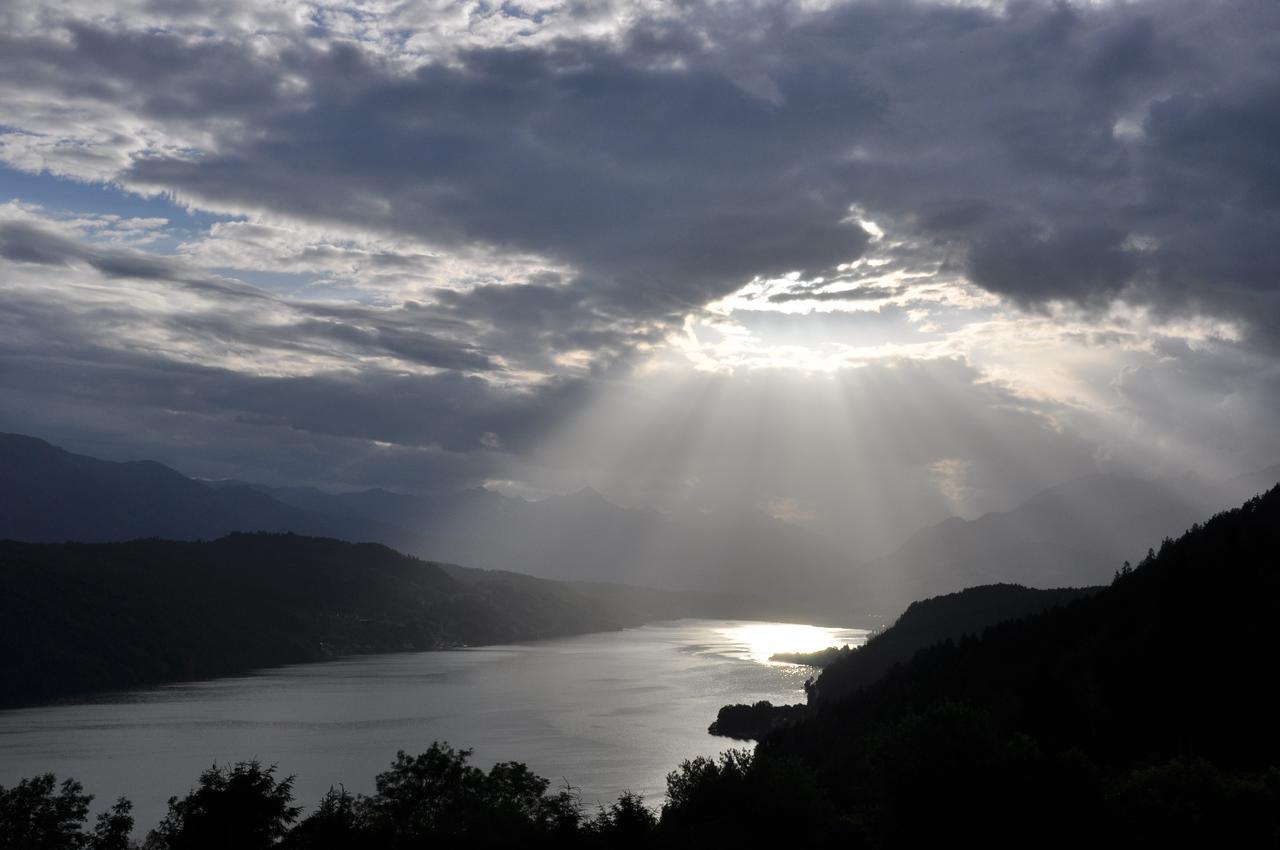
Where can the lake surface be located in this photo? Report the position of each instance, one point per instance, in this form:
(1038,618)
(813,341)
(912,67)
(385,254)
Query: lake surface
(605,712)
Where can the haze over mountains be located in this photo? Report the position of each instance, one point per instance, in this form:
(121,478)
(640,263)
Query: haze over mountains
(50,495)
(584,537)
(1073,534)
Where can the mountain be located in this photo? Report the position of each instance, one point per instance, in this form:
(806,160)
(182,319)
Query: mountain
(48,494)
(1074,534)
(76,618)
(582,536)
(929,621)
(51,495)
(1141,714)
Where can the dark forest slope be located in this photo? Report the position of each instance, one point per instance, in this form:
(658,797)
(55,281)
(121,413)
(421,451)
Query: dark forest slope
(81,617)
(1144,713)
(924,623)
(929,621)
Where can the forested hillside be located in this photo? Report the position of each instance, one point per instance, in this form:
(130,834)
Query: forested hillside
(1144,713)
(76,618)
(924,623)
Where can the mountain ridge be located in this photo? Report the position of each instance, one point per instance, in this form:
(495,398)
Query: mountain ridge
(575,537)
(1074,533)
(78,618)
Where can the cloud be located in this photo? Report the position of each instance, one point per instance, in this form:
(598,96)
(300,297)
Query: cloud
(51,360)
(192,315)
(444,221)
(861,293)
(1083,264)
(1069,152)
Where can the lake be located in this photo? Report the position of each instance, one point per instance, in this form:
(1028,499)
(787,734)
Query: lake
(606,712)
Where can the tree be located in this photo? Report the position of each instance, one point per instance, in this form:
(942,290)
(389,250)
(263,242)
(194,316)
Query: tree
(625,823)
(243,806)
(437,796)
(338,823)
(111,832)
(40,814)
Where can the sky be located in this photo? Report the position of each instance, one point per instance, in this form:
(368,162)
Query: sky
(860,265)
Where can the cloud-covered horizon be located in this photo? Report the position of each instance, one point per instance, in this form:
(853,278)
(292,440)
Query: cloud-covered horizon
(455,233)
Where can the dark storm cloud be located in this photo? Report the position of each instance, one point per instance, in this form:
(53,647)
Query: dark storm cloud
(1085,264)
(664,187)
(90,414)
(452,411)
(668,169)
(156,73)
(407,344)
(1068,152)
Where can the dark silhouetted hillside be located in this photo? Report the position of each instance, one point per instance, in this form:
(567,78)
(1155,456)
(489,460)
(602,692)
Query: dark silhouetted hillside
(1143,714)
(929,621)
(924,623)
(48,495)
(76,618)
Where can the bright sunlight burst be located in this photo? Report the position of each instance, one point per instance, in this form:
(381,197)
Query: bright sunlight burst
(761,641)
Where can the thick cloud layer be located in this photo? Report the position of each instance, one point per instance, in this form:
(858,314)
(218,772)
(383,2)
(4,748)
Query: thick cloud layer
(456,230)
(1065,152)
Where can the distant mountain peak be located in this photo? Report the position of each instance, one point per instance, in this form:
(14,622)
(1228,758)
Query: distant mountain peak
(12,442)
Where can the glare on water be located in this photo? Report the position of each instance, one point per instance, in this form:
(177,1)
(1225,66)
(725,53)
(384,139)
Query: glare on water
(761,641)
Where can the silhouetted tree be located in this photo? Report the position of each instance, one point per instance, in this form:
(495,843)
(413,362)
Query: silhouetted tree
(112,829)
(243,806)
(40,814)
(628,822)
(338,823)
(438,798)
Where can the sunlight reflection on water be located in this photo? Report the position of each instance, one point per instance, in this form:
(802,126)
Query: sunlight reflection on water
(761,641)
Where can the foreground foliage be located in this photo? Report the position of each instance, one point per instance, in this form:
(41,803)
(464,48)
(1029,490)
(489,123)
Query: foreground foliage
(41,814)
